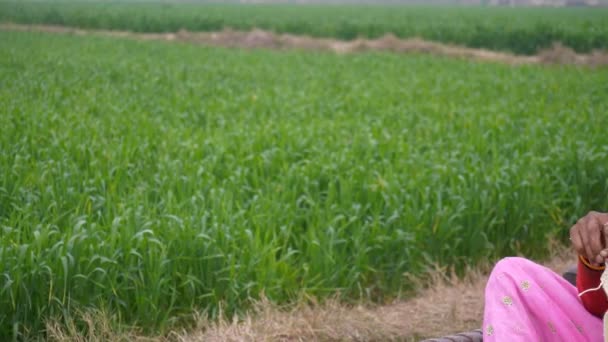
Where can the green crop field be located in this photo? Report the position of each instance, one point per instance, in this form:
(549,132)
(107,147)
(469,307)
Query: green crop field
(153,179)
(519,30)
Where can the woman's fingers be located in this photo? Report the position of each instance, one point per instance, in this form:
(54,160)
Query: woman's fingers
(597,235)
(604,252)
(575,238)
(595,229)
(584,232)
(589,237)
(599,259)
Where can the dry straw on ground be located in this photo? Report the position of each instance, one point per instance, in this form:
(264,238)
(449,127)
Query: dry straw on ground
(256,38)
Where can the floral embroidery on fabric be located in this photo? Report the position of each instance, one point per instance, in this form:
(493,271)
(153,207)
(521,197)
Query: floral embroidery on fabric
(507,300)
(519,329)
(525,285)
(490,330)
(578,327)
(551,327)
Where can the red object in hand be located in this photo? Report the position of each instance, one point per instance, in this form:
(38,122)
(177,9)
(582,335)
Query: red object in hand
(588,277)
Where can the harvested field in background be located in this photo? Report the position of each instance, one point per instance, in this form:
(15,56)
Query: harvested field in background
(259,39)
(517,30)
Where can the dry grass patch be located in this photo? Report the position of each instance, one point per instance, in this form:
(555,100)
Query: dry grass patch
(92,326)
(560,54)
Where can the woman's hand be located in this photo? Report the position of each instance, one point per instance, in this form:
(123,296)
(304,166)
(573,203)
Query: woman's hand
(588,237)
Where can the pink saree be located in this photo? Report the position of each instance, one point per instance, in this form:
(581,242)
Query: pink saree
(529,302)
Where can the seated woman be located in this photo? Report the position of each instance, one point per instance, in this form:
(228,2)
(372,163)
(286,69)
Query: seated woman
(528,302)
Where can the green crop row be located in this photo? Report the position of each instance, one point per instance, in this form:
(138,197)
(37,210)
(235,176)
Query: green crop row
(151,180)
(519,30)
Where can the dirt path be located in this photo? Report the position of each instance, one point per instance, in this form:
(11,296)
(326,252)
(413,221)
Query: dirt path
(268,40)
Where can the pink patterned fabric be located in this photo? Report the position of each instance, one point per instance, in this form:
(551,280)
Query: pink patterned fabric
(525,301)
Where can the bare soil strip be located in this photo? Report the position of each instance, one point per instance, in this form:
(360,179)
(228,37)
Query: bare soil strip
(259,39)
